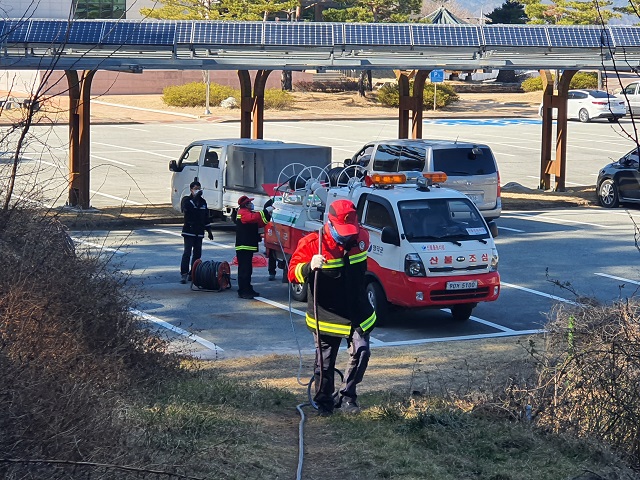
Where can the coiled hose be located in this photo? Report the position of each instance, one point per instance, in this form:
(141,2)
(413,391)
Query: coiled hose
(210,275)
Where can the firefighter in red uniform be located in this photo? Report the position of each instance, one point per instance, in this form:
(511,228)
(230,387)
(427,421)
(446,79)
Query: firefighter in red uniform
(340,301)
(248,223)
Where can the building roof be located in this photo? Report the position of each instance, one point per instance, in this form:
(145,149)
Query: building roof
(442,15)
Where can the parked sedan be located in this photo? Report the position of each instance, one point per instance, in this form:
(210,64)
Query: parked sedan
(586,105)
(619,182)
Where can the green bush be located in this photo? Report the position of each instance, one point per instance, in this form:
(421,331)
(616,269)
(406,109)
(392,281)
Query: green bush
(580,80)
(389,95)
(194,95)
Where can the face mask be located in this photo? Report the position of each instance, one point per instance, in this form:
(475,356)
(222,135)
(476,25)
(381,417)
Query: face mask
(337,237)
(197,192)
(250,206)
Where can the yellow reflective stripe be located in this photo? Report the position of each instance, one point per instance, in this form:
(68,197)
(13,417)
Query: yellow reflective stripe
(238,215)
(264,219)
(298,272)
(368,323)
(358,257)
(246,247)
(333,263)
(336,328)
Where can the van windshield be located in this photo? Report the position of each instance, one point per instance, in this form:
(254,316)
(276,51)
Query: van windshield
(441,220)
(396,158)
(464,161)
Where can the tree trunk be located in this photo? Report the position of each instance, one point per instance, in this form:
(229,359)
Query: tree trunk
(362,81)
(285,81)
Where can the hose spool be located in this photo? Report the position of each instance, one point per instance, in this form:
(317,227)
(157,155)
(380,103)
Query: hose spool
(210,275)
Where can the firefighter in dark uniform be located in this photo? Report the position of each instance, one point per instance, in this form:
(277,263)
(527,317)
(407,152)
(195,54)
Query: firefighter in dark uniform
(341,302)
(196,221)
(248,223)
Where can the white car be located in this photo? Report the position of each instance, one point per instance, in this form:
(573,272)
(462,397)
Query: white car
(586,105)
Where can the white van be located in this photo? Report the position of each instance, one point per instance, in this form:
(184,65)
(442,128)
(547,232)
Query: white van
(471,168)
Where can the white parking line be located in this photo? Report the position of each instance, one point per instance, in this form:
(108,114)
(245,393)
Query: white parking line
(179,234)
(536,292)
(512,333)
(116,198)
(112,161)
(129,149)
(626,280)
(96,245)
(511,229)
(178,330)
(545,219)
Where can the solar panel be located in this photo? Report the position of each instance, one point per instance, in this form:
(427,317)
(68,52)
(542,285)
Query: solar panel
(298,34)
(16,31)
(47,31)
(184,32)
(377,34)
(86,32)
(338,33)
(579,36)
(139,33)
(625,36)
(227,33)
(2,37)
(515,36)
(445,35)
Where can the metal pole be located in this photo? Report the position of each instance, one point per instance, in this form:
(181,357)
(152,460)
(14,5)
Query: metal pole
(435,87)
(206,110)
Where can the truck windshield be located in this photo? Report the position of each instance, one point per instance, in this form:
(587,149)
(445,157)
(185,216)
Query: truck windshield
(441,219)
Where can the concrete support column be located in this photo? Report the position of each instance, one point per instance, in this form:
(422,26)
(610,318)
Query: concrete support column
(79,137)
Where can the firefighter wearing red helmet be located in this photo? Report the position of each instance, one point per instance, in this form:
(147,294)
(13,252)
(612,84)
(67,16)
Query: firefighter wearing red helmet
(248,223)
(341,302)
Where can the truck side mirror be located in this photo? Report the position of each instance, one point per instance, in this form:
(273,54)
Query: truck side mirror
(390,235)
(173,166)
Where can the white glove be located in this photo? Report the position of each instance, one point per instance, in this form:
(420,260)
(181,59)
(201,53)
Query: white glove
(269,209)
(316,262)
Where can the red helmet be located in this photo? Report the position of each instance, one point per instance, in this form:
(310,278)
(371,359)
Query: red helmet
(243,200)
(342,215)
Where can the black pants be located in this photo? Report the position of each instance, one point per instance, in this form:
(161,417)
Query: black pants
(245,270)
(272,262)
(191,243)
(359,353)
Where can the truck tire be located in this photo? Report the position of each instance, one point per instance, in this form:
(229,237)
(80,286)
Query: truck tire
(298,291)
(462,312)
(378,301)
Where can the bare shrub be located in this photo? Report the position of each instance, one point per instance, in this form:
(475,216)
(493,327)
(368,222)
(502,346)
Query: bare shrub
(69,349)
(588,375)
(328,86)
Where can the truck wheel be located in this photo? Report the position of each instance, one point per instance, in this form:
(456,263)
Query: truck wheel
(378,301)
(462,312)
(298,291)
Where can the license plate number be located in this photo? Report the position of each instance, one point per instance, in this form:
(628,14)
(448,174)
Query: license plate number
(462,285)
(475,198)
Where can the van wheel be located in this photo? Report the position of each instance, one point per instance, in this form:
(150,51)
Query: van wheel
(298,291)
(583,115)
(462,312)
(378,301)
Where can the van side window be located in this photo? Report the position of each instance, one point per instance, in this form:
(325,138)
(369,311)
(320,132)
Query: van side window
(386,158)
(191,156)
(212,157)
(412,159)
(377,216)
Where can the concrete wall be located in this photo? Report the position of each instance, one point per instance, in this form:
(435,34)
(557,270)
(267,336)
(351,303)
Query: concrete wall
(153,82)
(59,8)
(36,8)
